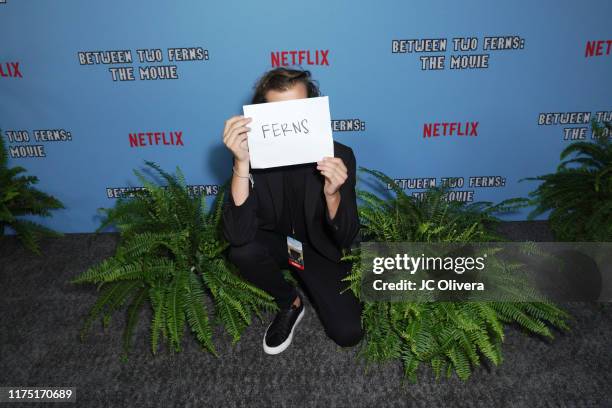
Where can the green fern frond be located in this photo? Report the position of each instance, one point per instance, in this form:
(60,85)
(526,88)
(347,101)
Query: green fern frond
(133,311)
(449,336)
(158,325)
(579,191)
(173,309)
(197,315)
(172,251)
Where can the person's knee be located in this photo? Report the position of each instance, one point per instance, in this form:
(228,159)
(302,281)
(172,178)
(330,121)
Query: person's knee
(347,334)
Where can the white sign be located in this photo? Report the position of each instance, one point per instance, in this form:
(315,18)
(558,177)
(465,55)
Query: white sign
(289,132)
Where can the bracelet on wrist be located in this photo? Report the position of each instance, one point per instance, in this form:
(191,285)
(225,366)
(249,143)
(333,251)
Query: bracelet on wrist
(250,176)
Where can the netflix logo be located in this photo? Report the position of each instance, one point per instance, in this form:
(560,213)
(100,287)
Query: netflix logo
(10,70)
(597,48)
(144,139)
(450,129)
(299,57)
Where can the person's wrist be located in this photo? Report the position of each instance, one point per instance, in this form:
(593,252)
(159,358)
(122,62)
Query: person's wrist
(242,167)
(334,196)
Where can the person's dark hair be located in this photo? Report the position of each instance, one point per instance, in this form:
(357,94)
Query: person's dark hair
(280,79)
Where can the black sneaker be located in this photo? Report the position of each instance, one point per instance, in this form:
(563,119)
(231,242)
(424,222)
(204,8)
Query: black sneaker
(279,333)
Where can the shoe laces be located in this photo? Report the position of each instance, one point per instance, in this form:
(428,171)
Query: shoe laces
(282,320)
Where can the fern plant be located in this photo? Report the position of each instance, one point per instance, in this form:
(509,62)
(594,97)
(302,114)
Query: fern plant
(170,255)
(18,198)
(579,194)
(449,336)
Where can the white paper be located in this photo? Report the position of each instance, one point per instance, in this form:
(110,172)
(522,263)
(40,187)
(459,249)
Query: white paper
(289,132)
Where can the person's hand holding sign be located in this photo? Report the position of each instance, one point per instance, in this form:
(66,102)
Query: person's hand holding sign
(335,173)
(235,139)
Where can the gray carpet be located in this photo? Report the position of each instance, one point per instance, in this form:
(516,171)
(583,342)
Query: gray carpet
(39,346)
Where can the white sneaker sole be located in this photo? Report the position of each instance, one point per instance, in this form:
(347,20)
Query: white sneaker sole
(283,346)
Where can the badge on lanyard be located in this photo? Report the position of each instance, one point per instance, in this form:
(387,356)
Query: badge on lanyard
(296,253)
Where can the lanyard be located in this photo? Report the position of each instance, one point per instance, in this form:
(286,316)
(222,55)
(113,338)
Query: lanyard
(291,195)
(291,200)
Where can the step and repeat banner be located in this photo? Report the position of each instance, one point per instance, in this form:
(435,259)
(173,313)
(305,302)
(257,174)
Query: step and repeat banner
(474,94)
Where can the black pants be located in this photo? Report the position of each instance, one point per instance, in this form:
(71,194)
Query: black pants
(260,262)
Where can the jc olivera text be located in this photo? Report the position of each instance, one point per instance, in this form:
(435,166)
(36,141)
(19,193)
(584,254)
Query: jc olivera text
(427,285)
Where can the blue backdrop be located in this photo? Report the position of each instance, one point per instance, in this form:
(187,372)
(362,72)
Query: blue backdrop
(408,79)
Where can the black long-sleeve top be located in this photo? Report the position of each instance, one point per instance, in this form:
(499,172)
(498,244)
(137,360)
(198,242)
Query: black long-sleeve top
(240,223)
(294,185)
